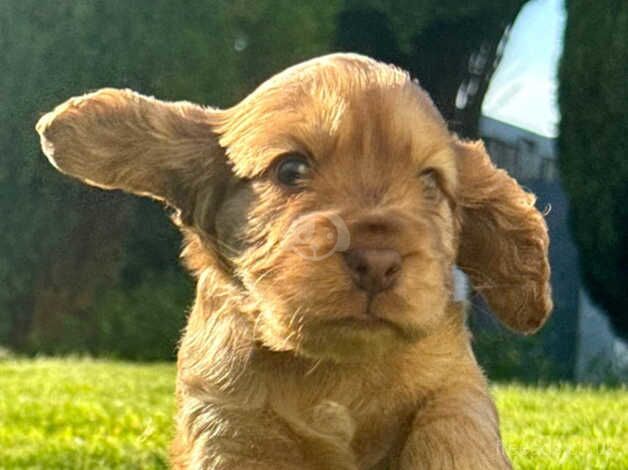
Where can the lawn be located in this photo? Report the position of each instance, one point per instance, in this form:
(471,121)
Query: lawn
(91,414)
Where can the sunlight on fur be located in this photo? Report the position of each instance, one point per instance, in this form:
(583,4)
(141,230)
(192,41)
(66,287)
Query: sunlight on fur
(322,216)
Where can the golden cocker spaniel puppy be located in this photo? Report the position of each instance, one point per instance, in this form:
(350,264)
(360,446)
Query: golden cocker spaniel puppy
(322,217)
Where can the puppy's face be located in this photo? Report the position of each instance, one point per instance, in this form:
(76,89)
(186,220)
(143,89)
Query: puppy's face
(346,232)
(333,195)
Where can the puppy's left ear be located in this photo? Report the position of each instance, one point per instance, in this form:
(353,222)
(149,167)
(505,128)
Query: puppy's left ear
(119,139)
(503,241)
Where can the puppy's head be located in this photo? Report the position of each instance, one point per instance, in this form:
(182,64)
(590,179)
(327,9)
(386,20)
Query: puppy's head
(334,196)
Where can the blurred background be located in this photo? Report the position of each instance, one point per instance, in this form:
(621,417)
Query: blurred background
(544,82)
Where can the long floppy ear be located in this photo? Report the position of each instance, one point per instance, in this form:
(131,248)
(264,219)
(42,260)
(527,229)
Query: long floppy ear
(119,139)
(503,241)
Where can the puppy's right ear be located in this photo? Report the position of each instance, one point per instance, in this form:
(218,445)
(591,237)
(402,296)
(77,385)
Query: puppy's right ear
(119,139)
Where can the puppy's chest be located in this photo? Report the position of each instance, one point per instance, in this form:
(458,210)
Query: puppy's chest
(379,431)
(378,417)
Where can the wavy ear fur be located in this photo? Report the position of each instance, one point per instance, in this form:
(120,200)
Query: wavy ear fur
(119,139)
(503,241)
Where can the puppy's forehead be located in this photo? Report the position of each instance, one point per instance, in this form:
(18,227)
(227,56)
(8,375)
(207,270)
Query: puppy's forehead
(341,104)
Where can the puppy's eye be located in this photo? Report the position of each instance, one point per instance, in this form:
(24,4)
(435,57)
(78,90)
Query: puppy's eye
(291,170)
(431,186)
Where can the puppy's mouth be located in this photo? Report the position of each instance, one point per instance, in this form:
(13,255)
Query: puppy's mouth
(364,322)
(370,318)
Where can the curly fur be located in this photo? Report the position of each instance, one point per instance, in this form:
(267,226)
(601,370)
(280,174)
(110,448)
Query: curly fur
(284,363)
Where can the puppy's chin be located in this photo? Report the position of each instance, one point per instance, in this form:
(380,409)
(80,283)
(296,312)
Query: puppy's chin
(341,340)
(350,340)
(358,334)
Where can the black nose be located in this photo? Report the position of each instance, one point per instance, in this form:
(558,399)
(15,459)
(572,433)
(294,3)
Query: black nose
(373,270)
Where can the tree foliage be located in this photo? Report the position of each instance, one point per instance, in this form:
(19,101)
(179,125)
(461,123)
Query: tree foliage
(450,47)
(593,147)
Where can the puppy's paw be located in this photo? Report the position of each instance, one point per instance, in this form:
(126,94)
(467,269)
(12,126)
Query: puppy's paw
(329,417)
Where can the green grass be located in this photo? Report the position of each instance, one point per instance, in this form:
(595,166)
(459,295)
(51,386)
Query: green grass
(564,427)
(84,414)
(91,414)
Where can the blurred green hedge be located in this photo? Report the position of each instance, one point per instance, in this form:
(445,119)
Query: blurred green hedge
(142,322)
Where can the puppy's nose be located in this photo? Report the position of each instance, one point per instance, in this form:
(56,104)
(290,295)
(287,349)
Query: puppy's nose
(373,270)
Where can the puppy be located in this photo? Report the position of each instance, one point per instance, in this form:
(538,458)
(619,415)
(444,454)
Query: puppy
(322,217)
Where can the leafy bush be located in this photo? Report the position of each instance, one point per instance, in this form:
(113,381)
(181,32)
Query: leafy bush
(507,356)
(141,322)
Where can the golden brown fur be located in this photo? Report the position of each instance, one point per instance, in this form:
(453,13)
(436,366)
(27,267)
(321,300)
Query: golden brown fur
(284,363)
